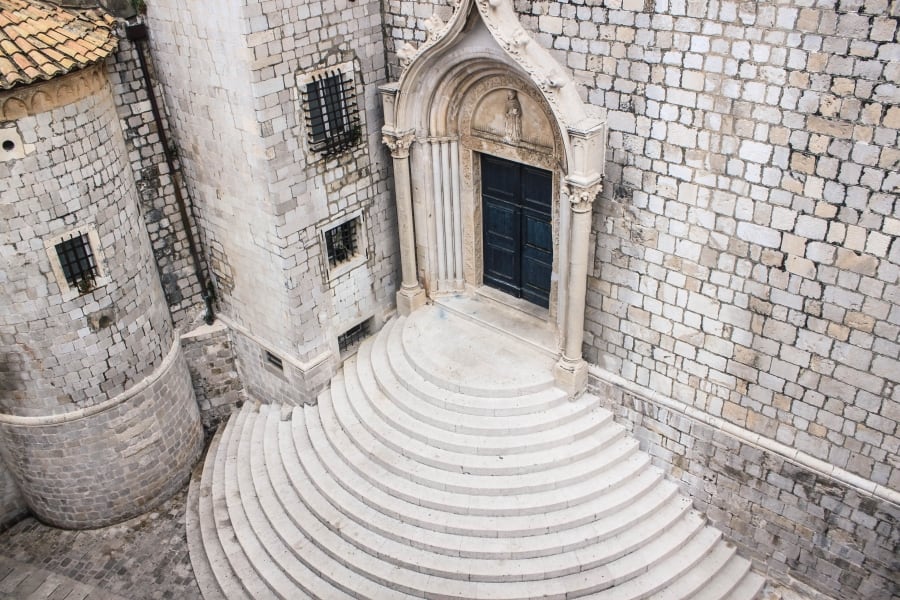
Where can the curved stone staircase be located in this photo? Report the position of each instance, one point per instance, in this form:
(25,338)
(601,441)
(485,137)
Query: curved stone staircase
(442,463)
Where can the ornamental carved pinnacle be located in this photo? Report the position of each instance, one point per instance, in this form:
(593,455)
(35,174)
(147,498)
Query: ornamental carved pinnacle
(399,143)
(582,198)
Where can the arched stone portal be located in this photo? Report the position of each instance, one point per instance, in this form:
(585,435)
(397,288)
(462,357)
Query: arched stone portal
(480,86)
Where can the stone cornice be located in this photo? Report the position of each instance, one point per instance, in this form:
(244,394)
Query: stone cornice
(42,97)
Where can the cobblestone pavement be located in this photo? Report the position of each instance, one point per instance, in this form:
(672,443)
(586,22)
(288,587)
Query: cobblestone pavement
(144,557)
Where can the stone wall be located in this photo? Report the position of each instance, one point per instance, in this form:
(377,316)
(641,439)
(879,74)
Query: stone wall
(745,254)
(12,505)
(266,199)
(210,356)
(64,350)
(290,382)
(98,420)
(96,467)
(155,185)
(791,520)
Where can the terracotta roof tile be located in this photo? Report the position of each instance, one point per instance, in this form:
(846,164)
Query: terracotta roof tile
(39,40)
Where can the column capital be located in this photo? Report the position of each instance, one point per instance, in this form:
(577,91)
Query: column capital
(398,142)
(582,196)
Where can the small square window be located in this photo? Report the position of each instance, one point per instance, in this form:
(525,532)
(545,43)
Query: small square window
(342,242)
(77,262)
(274,360)
(331,115)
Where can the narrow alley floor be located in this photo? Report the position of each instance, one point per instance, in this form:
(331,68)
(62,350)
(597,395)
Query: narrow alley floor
(143,558)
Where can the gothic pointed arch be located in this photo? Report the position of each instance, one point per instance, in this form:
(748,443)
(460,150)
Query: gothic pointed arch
(479,85)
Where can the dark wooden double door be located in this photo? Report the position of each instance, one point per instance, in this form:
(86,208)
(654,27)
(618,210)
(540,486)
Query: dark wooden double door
(518,237)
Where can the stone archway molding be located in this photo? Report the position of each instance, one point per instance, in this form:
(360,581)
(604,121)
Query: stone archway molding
(412,106)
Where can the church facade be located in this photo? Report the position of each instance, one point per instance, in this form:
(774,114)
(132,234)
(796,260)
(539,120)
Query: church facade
(698,201)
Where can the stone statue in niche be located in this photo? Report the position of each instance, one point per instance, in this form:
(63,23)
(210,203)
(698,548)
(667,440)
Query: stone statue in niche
(513,118)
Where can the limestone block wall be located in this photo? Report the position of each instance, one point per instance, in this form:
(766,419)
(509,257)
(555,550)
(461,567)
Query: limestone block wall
(12,505)
(110,462)
(791,520)
(745,248)
(266,198)
(212,362)
(97,418)
(155,185)
(63,353)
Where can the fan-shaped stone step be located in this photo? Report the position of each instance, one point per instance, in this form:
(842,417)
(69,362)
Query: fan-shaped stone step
(391,364)
(480,490)
(533,515)
(468,433)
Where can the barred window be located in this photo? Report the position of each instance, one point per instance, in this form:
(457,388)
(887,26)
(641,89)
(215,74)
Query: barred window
(351,339)
(342,242)
(77,262)
(331,115)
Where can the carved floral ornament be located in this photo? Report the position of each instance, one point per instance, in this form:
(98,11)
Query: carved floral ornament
(399,143)
(582,197)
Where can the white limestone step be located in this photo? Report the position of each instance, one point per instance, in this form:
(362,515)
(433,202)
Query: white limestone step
(305,472)
(231,531)
(341,425)
(388,357)
(666,572)
(691,579)
(735,581)
(623,484)
(468,361)
(372,563)
(572,444)
(461,501)
(464,432)
(261,551)
(291,547)
(206,553)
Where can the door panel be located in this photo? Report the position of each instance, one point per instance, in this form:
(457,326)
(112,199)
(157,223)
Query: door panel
(501,245)
(518,240)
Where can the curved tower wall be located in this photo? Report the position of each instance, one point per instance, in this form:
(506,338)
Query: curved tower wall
(97,416)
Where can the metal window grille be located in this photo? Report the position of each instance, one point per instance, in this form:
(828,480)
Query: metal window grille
(275,361)
(341,242)
(331,115)
(351,338)
(77,261)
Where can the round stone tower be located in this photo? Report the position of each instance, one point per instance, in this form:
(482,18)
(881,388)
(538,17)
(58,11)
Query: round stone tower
(98,420)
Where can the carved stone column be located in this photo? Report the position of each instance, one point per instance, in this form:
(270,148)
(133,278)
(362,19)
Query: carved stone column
(571,371)
(411,295)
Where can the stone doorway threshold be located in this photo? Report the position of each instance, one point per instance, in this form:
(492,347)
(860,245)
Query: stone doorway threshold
(501,312)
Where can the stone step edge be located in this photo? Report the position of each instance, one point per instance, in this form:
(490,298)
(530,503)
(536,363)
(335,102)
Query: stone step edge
(425,494)
(407,376)
(302,478)
(489,485)
(204,575)
(235,553)
(393,405)
(579,446)
(416,503)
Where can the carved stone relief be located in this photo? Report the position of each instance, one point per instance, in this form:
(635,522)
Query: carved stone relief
(42,97)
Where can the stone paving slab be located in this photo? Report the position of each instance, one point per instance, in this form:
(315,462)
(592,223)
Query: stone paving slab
(142,558)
